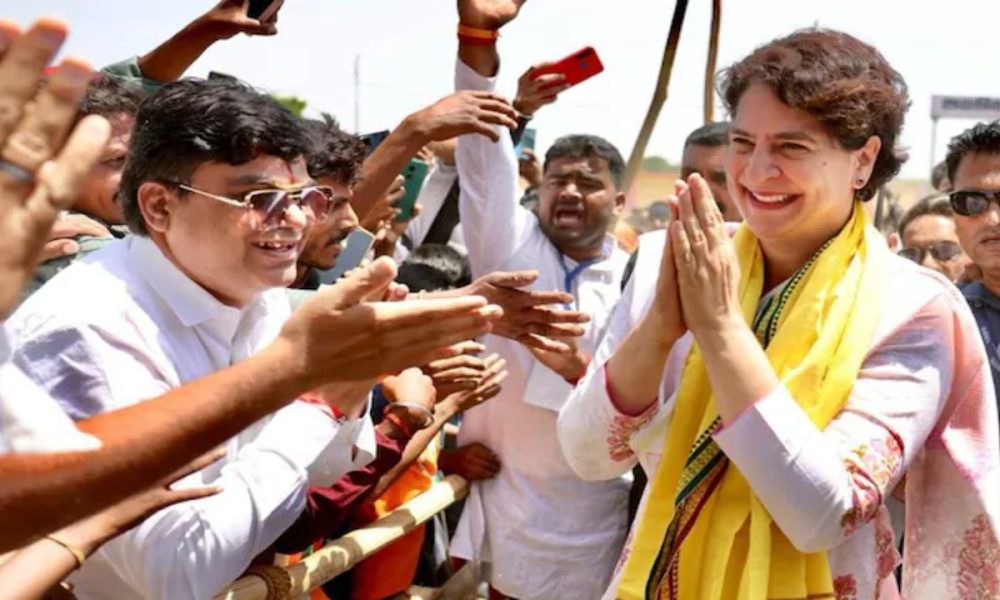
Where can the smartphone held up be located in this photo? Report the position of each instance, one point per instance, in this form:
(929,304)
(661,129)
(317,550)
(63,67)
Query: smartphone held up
(575,68)
(263,10)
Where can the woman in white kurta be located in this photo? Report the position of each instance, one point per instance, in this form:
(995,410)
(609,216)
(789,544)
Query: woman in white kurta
(778,386)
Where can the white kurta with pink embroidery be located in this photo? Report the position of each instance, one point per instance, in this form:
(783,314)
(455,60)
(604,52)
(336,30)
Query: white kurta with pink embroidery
(923,406)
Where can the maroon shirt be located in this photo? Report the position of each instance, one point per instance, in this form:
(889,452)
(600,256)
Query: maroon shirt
(329,508)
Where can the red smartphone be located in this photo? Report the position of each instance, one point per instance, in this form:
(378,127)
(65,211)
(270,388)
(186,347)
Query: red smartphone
(577,67)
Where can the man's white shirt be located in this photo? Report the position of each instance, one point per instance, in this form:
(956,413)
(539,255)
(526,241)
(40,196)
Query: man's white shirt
(125,325)
(546,533)
(30,420)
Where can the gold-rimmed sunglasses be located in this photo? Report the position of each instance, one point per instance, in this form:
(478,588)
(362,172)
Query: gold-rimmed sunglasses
(267,207)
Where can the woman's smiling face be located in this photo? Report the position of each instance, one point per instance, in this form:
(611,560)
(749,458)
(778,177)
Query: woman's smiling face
(791,180)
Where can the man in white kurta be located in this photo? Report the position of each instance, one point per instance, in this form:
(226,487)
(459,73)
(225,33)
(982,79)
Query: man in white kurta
(544,532)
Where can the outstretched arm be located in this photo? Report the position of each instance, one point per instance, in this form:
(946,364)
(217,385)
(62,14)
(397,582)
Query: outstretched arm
(169,60)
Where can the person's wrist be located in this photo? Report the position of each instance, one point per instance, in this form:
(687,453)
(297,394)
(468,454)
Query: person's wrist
(87,535)
(577,367)
(284,356)
(448,408)
(207,29)
(659,329)
(524,108)
(395,428)
(416,131)
(414,418)
(718,334)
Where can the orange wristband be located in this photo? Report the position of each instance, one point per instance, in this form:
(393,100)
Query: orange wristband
(476,36)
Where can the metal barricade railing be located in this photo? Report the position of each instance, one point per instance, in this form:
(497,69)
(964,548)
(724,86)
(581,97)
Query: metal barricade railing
(342,554)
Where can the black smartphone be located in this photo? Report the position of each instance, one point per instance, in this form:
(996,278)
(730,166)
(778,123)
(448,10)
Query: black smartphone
(372,140)
(263,10)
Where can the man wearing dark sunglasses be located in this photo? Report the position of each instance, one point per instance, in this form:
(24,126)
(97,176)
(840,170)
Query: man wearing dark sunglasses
(929,237)
(974,170)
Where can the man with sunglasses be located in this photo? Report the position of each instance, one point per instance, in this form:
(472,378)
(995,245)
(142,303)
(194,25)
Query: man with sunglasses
(929,237)
(974,171)
(216,194)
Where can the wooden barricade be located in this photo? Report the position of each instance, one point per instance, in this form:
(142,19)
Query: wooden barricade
(342,554)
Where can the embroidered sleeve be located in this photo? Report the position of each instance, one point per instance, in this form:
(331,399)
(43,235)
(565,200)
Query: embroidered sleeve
(821,486)
(871,466)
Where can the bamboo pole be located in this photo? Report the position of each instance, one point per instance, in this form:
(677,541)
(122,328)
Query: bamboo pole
(659,94)
(713,55)
(342,554)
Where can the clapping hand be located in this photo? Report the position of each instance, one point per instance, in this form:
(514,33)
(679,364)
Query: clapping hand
(707,268)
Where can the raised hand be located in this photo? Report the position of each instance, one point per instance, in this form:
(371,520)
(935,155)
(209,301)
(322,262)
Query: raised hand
(229,17)
(528,315)
(458,373)
(488,14)
(708,270)
(535,91)
(571,366)
(493,375)
(461,113)
(473,462)
(40,170)
(341,337)
(530,168)
(411,386)
(665,314)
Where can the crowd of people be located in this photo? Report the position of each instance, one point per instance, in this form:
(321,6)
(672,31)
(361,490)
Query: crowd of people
(763,396)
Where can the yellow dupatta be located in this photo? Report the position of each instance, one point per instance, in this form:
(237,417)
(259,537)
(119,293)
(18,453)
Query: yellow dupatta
(704,535)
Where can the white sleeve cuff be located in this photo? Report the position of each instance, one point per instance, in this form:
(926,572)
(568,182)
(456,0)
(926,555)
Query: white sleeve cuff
(803,490)
(468,79)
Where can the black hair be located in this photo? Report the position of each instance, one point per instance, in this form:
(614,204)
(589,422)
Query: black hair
(585,146)
(193,121)
(939,177)
(109,97)
(935,204)
(712,135)
(981,137)
(333,152)
(434,267)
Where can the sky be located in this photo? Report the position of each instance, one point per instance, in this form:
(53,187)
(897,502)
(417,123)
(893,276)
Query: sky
(405,53)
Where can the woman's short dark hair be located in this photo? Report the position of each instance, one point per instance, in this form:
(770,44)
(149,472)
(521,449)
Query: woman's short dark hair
(193,121)
(845,84)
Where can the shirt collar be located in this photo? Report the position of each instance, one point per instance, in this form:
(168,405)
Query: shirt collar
(976,291)
(607,251)
(192,304)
